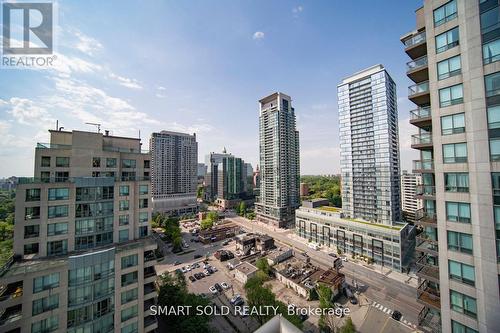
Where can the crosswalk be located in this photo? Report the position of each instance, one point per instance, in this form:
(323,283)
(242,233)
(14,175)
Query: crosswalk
(389,312)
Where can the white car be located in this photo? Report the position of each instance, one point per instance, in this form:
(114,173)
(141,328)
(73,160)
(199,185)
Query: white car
(224,285)
(183,269)
(188,268)
(235,298)
(344,258)
(214,269)
(213,290)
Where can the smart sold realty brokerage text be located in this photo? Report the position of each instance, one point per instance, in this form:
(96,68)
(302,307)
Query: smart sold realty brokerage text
(266,310)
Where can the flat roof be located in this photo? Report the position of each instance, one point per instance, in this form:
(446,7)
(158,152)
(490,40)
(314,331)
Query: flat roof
(246,268)
(362,73)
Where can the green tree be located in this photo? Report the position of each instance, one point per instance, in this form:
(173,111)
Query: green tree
(177,243)
(200,192)
(348,327)
(326,323)
(213,215)
(241,209)
(263,265)
(206,224)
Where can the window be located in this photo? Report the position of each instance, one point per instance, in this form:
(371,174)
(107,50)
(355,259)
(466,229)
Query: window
(123,235)
(491,51)
(96,162)
(46,325)
(45,161)
(490,20)
(493,117)
(143,203)
(456,182)
(129,313)
(96,174)
(57,229)
(458,212)
(94,209)
(58,194)
(129,295)
(492,83)
(495,149)
(124,205)
(58,211)
(45,176)
(456,327)
(143,217)
(461,272)
(33,194)
(447,40)
(451,95)
(45,282)
(143,189)
(463,303)
(129,261)
(62,176)
(146,164)
(445,13)
(124,190)
(56,248)
(455,153)
(129,278)
(31,231)
(143,231)
(126,175)
(449,67)
(110,162)
(126,163)
(94,193)
(45,304)
(131,328)
(30,248)
(32,213)
(460,242)
(62,162)
(123,219)
(453,124)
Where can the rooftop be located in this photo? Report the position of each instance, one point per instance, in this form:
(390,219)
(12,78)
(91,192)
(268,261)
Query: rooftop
(246,268)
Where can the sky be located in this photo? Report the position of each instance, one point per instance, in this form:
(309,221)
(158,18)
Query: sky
(201,66)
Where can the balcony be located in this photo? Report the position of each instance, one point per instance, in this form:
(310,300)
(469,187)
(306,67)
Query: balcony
(149,288)
(428,295)
(423,166)
(421,117)
(425,218)
(419,93)
(422,141)
(427,245)
(11,291)
(417,70)
(416,45)
(148,304)
(427,270)
(425,191)
(429,319)
(149,272)
(11,314)
(149,321)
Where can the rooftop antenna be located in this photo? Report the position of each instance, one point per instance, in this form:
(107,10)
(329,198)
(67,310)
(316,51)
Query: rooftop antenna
(96,125)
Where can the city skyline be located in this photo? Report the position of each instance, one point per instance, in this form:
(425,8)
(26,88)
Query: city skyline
(174,90)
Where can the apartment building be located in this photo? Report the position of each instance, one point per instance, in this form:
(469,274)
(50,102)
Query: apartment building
(411,189)
(174,171)
(226,178)
(369,148)
(83,260)
(389,246)
(455,69)
(279,162)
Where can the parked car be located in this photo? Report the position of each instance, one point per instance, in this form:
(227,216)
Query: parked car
(183,269)
(239,302)
(213,290)
(224,285)
(396,315)
(353,300)
(218,287)
(191,278)
(213,269)
(224,243)
(196,265)
(331,254)
(177,262)
(207,272)
(344,258)
(235,298)
(197,256)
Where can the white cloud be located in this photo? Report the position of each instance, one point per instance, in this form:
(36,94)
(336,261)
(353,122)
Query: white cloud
(258,35)
(297,10)
(161,88)
(126,82)
(161,92)
(27,112)
(86,44)
(66,65)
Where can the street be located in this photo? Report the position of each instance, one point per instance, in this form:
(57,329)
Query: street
(392,294)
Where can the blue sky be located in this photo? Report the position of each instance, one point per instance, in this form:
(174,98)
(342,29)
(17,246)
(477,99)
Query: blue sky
(201,66)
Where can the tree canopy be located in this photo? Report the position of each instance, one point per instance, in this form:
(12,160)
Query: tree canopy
(323,187)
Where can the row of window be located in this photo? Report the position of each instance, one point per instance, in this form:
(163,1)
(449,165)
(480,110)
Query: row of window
(64,161)
(83,193)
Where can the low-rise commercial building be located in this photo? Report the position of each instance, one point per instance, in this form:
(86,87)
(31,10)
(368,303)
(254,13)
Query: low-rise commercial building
(245,271)
(387,245)
(279,255)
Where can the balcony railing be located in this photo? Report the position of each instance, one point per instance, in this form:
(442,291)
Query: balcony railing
(419,113)
(423,165)
(417,63)
(421,139)
(425,216)
(416,39)
(43,145)
(418,88)
(429,295)
(429,190)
